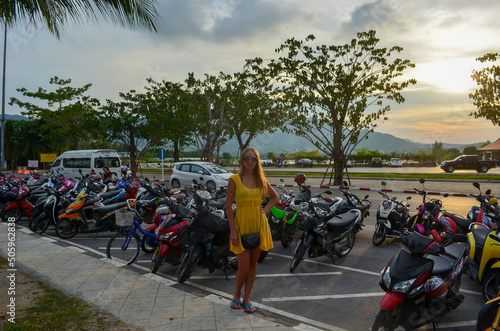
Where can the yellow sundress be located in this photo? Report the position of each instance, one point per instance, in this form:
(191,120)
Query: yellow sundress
(248,215)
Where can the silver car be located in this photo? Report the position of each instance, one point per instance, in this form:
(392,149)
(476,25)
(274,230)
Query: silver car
(213,175)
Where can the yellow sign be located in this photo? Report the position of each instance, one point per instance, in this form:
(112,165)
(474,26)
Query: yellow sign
(48,157)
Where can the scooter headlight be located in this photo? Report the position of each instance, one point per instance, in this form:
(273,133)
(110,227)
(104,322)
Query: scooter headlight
(165,236)
(426,215)
(386,277)
(404,286)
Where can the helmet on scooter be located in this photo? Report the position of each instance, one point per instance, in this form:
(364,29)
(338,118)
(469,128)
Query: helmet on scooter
(300,178)
(493,201)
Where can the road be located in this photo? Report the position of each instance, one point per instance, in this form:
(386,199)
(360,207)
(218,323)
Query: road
(344,295)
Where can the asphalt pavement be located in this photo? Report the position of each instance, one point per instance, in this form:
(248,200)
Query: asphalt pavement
(152,302)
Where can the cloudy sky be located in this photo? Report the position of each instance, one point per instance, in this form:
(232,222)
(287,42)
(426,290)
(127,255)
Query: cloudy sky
(443,38)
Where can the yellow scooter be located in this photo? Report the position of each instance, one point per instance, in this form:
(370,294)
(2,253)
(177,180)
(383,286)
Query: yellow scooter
(484,258)
(488,317)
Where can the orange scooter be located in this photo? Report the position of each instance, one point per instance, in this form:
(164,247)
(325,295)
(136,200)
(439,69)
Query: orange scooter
(89,215)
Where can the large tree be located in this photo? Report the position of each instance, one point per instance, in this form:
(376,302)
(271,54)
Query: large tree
(55,14)
(170,104)
(67,120)
(336,93)
(251,109)
(135,123)
(487,97)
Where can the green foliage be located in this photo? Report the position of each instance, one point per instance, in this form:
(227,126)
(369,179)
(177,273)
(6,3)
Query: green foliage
(334,93)
(54,15)
(471,150)
(487,97)
(69,119)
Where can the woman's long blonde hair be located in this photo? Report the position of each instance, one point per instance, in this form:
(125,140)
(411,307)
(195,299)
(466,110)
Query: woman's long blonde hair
(258,173)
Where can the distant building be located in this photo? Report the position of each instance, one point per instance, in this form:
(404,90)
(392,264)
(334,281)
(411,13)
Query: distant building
(491,151)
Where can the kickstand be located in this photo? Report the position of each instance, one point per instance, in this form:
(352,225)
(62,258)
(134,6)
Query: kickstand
(225,273)
(435,326)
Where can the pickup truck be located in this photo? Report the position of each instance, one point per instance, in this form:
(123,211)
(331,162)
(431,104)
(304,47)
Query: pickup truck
(468,162)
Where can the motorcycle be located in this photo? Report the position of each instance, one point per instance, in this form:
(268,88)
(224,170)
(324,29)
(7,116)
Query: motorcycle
(281,218)
(88,215)
(488,317)
(428,212)
(392,215)
(481,213)
(327,233)
(484,260)
(172,219)
(421,282)
(205,241)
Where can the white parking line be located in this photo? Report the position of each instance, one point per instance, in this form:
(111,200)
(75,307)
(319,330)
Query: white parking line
(274,275)
(332,265)
(324,297)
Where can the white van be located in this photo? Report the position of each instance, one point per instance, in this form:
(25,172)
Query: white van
(69,163)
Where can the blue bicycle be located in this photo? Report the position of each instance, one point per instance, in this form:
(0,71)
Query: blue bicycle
(126,244)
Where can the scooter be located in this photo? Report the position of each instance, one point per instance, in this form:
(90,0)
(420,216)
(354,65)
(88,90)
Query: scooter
(488,317)
(172,221)
(327,233)
(392,216)
(421,282)
(428,212)
(484,259)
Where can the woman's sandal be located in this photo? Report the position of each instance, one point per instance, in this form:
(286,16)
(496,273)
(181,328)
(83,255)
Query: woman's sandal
(238,304)
(249,308)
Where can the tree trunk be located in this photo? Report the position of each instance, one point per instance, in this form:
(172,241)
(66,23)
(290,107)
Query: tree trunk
(176,151)
(338,157)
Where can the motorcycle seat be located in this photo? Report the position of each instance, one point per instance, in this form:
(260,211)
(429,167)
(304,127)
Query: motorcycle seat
(442,266)
(480,234)
(109,208)
(218,204)
(110,194)
(462,223)
(339,222)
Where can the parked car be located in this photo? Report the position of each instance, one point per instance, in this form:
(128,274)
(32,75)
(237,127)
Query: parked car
(213,175)
(468,162)
(376,162)
(394,162)
(302,163)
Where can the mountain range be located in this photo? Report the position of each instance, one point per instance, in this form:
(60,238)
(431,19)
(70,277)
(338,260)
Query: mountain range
(280,141)
(383,142)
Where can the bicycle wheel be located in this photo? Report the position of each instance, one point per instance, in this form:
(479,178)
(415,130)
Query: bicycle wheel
(124,246)
(149,243)
(66,228)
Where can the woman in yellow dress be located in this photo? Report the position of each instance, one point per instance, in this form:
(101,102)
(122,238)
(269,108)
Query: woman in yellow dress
(248,188)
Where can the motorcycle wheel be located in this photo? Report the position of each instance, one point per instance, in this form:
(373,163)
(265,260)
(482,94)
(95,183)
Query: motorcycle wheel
(33,218)
(184,268)
(262,256)
(158,261)
(300,251)
(491,285)
(149,244)
(385,320)
(66,228)
(40,226)
(12,214)
(379,235)
(349,239)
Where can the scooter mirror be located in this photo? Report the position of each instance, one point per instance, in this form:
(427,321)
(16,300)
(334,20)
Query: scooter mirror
(282,180)
(476,185)
(366,196)
(422,180)
(384,184)
(345,183)
(488,192)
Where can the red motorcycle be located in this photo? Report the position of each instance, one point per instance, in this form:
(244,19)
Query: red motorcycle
(169,221)
(17,205)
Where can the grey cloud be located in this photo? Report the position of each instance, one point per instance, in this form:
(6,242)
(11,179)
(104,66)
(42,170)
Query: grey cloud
(224,21)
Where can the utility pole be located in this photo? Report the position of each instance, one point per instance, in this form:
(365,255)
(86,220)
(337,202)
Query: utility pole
(2,147)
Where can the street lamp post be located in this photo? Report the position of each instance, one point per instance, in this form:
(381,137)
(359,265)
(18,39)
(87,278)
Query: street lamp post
(2,147)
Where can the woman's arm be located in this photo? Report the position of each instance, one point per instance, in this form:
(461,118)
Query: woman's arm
(231,187)
(274,198)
